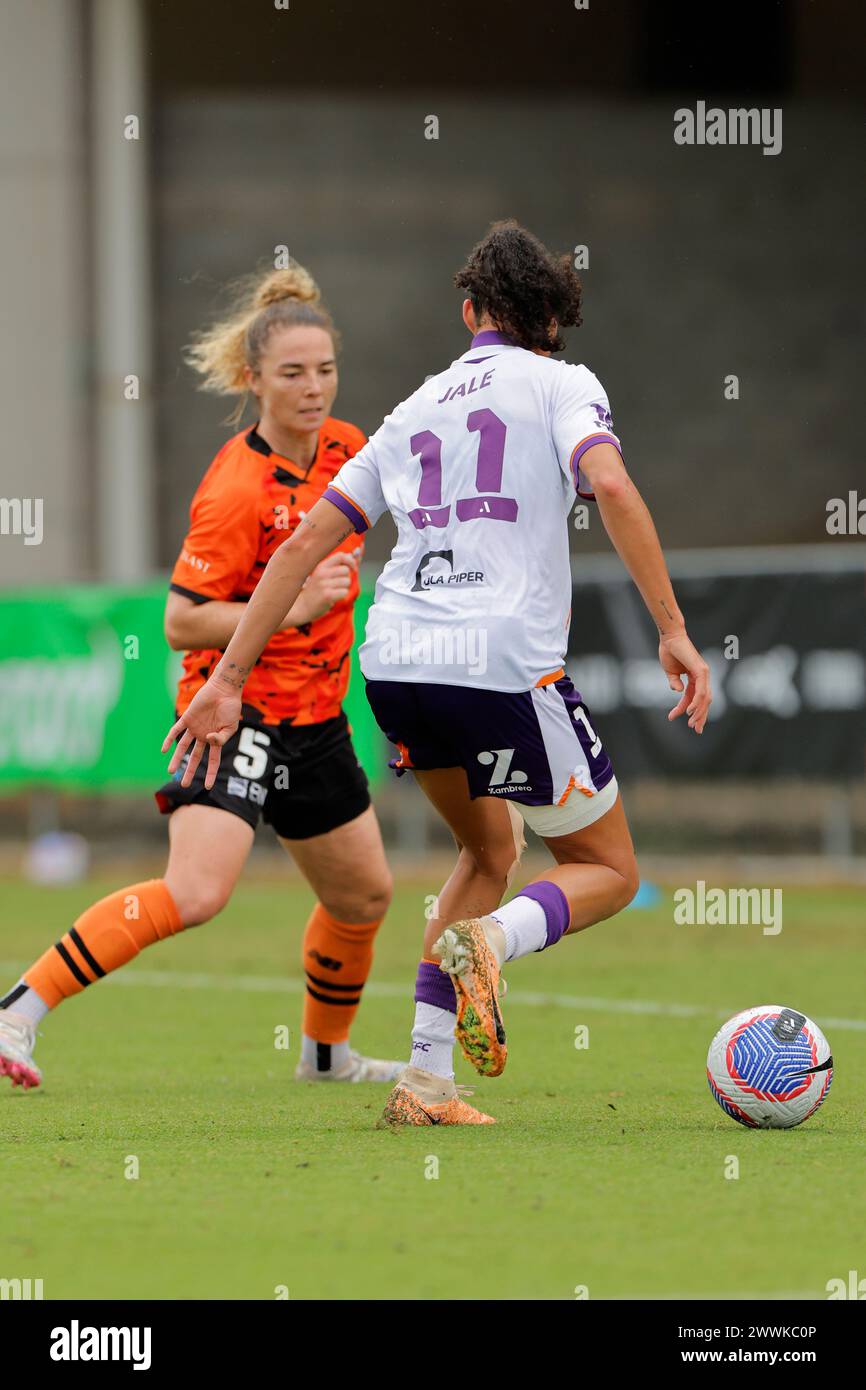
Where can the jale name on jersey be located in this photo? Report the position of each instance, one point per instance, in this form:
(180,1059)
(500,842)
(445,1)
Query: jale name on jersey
(467,389)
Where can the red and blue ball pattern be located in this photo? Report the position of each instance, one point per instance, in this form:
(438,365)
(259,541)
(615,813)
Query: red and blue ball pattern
(769,1067)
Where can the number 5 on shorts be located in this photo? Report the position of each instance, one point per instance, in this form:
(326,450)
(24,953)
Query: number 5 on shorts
(252,759)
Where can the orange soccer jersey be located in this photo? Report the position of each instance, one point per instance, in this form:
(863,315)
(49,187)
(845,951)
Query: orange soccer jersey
(249,501)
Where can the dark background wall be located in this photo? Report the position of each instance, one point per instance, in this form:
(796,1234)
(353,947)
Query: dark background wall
(306,128)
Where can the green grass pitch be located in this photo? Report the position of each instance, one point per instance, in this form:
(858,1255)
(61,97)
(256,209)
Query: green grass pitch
(606,1169)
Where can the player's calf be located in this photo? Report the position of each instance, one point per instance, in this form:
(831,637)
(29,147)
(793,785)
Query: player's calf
(103,938)
(337,956)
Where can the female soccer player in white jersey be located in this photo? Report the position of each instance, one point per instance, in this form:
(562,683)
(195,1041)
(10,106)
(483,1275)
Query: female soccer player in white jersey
(465,645)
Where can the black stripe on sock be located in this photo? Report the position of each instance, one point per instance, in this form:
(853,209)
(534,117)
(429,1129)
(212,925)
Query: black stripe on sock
(9,999)
(323,1056)
(68,961)
(326,984)
(326,998)
(85,954)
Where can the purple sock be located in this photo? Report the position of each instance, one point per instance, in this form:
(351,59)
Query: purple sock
(553,901)
(433,986)
(433,1030)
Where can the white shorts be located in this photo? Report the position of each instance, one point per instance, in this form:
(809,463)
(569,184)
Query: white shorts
(578,812)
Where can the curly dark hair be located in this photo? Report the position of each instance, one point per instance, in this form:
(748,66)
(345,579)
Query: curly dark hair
(528,292)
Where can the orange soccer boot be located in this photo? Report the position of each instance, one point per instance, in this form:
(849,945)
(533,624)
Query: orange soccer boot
(420,1098)
(469,955)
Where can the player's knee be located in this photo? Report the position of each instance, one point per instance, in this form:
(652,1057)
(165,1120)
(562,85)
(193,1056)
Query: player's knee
(497,861)
(199,902)
(630,885)
(367,901)
(377,899)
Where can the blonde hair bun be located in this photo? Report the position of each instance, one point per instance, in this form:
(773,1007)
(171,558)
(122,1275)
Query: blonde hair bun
(292,283)
(261,302)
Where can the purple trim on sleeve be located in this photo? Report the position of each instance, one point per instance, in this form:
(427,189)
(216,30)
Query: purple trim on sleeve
(433,986)
(557,913)
(601,438)
(345,506)
(491,335)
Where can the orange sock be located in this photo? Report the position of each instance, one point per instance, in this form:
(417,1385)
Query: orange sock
(104,937)
(336,957)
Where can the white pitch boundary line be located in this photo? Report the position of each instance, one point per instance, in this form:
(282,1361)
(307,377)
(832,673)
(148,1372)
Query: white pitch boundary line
(273,984)
(795,1296)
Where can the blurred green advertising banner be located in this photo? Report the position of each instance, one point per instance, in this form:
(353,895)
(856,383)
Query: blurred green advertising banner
(87,687)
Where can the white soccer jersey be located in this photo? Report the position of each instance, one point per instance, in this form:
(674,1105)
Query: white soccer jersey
(478,469)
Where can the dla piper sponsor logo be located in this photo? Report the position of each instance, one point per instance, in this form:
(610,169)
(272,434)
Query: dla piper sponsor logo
(436,568)
(732,907)
(22,516)
(463,647)
(77,1343)
(737,126)
(21,1288)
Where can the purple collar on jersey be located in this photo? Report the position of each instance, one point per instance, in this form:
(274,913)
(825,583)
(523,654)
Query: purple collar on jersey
(489,337)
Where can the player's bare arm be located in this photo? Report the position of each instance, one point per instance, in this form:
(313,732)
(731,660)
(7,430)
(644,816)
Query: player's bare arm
(195,626)
(324,528)
(214,713)
(629,524)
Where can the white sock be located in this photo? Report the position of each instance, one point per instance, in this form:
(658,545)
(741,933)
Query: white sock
(433,1040)
(28,1003)
(525,925)
(324,1056)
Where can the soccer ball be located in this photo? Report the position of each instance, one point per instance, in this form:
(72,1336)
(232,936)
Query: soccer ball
(769,1067)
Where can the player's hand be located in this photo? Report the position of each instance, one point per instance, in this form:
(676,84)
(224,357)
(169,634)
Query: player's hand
(207,723)
(680,657)
(329,582)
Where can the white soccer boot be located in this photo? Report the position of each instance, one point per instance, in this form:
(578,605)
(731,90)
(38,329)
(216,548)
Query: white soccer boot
(17,1040)
(357,1068)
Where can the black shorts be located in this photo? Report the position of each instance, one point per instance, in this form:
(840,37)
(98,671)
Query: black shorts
(303,780)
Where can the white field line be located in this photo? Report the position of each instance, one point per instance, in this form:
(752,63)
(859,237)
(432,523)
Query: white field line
(275,984)
(797,1296)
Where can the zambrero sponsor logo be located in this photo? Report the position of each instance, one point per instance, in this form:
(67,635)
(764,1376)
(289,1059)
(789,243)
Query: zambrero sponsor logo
(504,779)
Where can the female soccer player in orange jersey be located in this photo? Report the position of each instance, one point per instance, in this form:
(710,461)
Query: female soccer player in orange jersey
(291,760)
